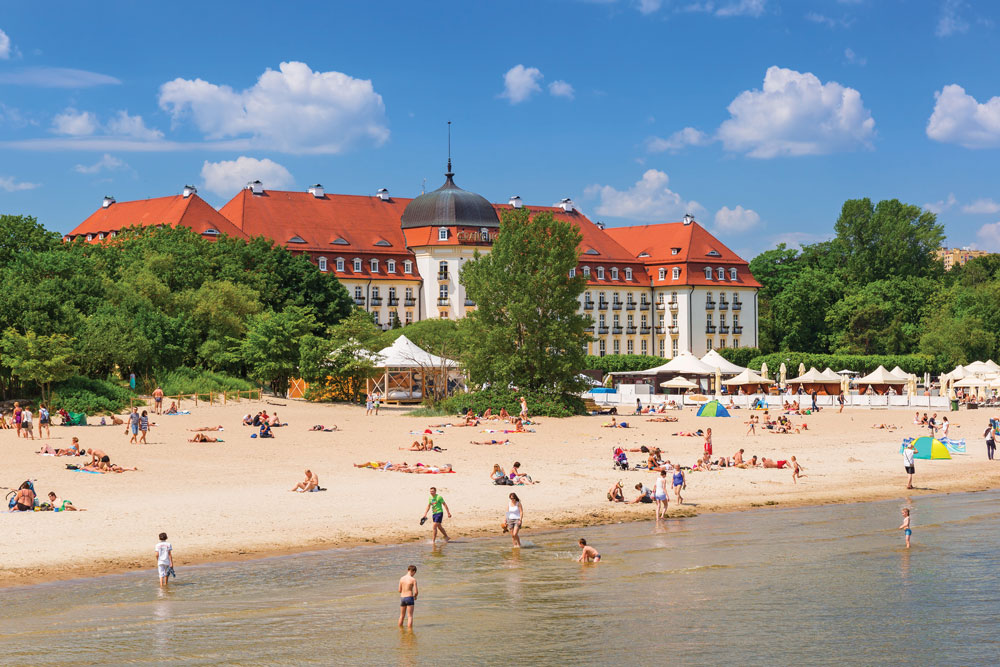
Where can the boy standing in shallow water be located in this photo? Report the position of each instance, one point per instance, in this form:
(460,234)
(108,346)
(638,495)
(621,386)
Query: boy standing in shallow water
(905,527)
(407,595)
(164,559)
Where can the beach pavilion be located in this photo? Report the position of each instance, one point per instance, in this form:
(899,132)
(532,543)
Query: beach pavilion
(407,373)
(747,382)
(879,381)
(814,380)
(685,364)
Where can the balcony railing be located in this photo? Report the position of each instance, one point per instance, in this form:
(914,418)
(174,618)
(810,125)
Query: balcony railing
(675,330)
(630,305)
(710,328)
(376,301)
(723,305)
(602,330)
(470,303)
(660,305)
(673,305)
(661,330)
(409,302)
(737,329)
(443,302)
(616,305)
(442,275)
(359,301)
(644,329)
(590,329)
(616,330)
(630,330)
(644,305)
(737,305)
(723,328)
(393,301)
(588,305)
(709,305)
(602,305)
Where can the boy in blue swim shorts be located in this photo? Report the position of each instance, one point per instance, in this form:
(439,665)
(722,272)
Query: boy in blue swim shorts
(439,507)
(905,527)
(407,595)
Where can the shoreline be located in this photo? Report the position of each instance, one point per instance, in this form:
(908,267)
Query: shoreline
(12,579)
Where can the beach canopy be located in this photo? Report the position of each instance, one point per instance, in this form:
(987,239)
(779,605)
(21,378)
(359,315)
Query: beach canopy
(899,372)
(927,448)
(404,353)
(747,377)
(812,376)
(831,376)
(713,409)
(684,363)
(956,373)
(844,371)
(971,381)
(881,376)
(716,360)
(679,382)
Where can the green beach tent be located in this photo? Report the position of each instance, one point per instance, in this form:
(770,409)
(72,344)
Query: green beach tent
(713,409)
(927,448)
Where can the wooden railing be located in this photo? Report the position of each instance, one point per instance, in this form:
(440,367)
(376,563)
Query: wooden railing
(210,397)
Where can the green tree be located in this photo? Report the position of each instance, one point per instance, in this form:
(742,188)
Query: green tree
(21,235)
(38,359)
(271,350)
(344,359)
(882,317)
(799,311)
(526,329)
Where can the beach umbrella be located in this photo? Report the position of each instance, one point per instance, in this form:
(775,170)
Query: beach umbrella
(763,370)
(609,380)
(802,369)
(718,382)
(679,382)
(713,409)
(927,448)
(783,373)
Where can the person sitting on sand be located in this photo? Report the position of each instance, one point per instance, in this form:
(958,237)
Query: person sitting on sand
(662,419)
(768,463)
(248,420)
(488,414)
(615,424)
(208,428)
(3,423)
(172,410)
(504,414)
(24,499)
(310,484)
(645,494)
(265,430)
(320,427)
(519,425)
(201,437)
(64,506)
(116,420)
(738,458)
(615,494)
(490,442)
(518,477)
(498,475)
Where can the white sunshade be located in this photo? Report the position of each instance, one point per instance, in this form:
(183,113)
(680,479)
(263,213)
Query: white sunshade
(684,363)
(404,353)
(679,382)
(844,371)
(982,367)
(812,376)
(971,381)
(900,373)
(747,377)
(956,373)
(831,376)
(726,367)
(881,376)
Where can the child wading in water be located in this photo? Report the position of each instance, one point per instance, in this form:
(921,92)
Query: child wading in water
(164,559)
(905,527)
(407,595)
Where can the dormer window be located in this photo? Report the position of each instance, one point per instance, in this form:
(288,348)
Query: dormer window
(100,236)
(321,262)
(708,273)
(90,237)
(373,263)
(407,266)
(676,274)
(443,234)
(675,251)
(586,272)
(732,274)
(720,273)
(484,234)
(390,266)
(600,273)
(628,274)
(357,265)
(113,234)
(211,231)
(614,273)
(663,274)
(340,264)
(296,239)
(714,253)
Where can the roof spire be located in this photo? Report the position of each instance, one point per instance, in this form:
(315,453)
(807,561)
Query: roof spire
(449,173)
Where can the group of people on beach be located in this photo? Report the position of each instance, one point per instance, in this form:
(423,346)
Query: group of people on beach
(22,421)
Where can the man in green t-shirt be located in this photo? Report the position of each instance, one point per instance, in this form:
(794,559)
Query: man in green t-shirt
(439,507)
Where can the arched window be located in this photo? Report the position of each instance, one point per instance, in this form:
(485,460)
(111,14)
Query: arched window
(321,262)
(721,273)
(600,273)
(373,263)
(572,273)
(676,274)
(586,272)
(708,273)
(443,234)
(340,264)
(663,274)
(442,270)
(732,274)
(357,265)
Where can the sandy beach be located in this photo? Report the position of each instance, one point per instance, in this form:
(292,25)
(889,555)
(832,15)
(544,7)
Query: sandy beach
(231,500)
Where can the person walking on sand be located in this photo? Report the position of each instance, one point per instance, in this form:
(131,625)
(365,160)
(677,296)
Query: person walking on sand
(515,516)
(660,494)
(143,427)
(708,441)
(524,408)
(439,506)
(679,482)
(133,424)
(408,596)
(44,419)
(589,554)
(796,470)
(905,526)
(908,452)
(369,405)
(376,400)
(841,400)
(991,441)
(164,560)
(26,424)
(158,400)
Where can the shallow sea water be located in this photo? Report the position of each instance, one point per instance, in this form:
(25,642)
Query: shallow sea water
(813,586)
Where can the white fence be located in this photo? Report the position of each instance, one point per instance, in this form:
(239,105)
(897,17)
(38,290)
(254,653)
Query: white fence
(626,395)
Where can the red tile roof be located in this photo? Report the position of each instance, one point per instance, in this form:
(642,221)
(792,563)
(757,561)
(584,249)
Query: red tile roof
(177,210)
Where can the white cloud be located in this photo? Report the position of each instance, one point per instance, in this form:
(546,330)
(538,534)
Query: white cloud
(57,77)
(959,119)
(124,125)
(816,17)
(293,110)
(649,6)
(8,184)
(227,177)
(989,236)
(561,89)
(797,114)
(951,22)
(854,59)
(649,199)
(108,162)
(75,123)
(737,219)
(942,205)
(752,8)
(689,136)
(520,82)
(982,206)
(4,46)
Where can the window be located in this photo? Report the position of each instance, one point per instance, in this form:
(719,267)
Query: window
(722,343)
(602,320)
(630,320)
(357,265)
(628,274)
(721,273)
(615,298)
(442,269)
(443,234)
(732,274)
(373,263)
(602,347)
(600,273)
(616,346)
(736,342)
(443,314)
(409,317)
(614,273)
(708,273)
(643,347)
(586,272)
(484,234)
(409,292)
(90,237)
(663,274)
(630,346)
(100,236)
(572,273)
(676,274)
(358,294)
(392,293)
(673,297)
(708,344)
(736,297)
(674,251)
(322,263)
(673,348)
(375,317)
(708,319)
(644,323)
(407,266)
(375,294)
(443,291)
(708,297)
(617,320)
(390,266)
(736,319)
(722,319)
(340,264)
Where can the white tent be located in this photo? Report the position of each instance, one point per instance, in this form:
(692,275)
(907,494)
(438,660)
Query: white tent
(747,377)
(684,363)
(970,382)
(404,353)
(831,376)
(844,371)
(900,373)
(956,373)
(982,367)
(812,376)
(679,382)
(716,360)
(881,376)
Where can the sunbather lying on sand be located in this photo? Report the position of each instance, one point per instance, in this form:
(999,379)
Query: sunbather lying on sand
(320,427)
(689,434)
(890,427)
(768,463)
(662,419)
(208,428)
(426,446)
(490,442)
(201,437)
(615,424)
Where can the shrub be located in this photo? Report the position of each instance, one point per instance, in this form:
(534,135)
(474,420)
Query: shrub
(185,380)
(81,394)
(619,363)
(862,363)
(742,356)
(539,403)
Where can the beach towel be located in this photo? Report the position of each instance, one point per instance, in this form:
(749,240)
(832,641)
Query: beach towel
(91,472)
(954,446)
(179,412)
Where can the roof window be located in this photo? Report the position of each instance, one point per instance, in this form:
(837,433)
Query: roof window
(340,240)
(383,243)
(296,239)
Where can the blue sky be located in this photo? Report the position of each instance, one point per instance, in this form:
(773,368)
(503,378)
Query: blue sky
(759,116)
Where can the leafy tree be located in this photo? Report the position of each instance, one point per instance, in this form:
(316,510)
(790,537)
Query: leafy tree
(20,235)
(271,349)
(526,328)
(800,310)
(882,317)
(38,359)
(342,362)
(442,338)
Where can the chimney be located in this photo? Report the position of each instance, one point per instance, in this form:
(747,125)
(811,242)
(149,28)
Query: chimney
(382,194)
(515,202)
(316,191)
(189,190)
(108,201)
(567,205)
(256,187)
(688,218)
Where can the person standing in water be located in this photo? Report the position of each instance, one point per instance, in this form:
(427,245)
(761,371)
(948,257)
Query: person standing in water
(164,559)
(660,494)
(439,506)
(905,527)
(408,595)
(515,515)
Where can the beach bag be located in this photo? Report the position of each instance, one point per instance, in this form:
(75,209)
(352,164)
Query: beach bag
(504,481)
